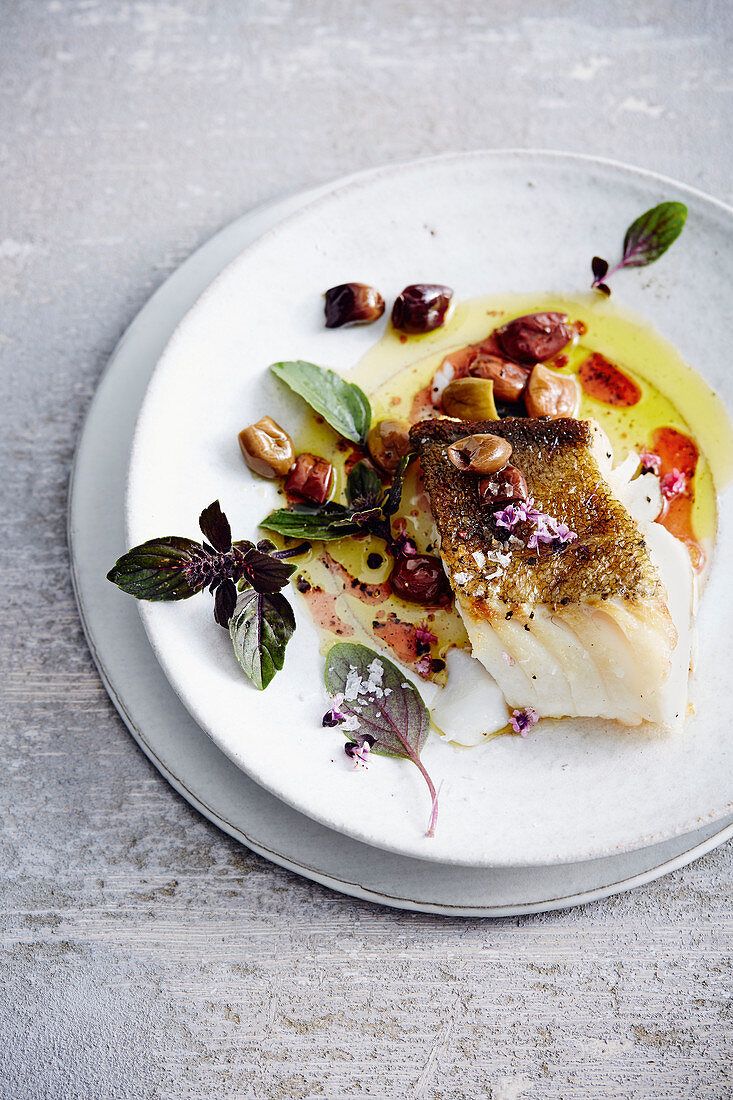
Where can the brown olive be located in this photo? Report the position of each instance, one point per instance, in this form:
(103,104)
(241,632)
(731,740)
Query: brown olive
(480,454)
(535,337)
(352,304)
(470,399)
(310,478)
(266,448)
(503,487)
(389,441)
(421,307)
(509,378)
(551,394)
(420,578)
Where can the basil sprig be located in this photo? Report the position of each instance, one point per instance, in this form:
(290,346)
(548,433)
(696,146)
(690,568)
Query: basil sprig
(646,240)
(174,568)
(368,508)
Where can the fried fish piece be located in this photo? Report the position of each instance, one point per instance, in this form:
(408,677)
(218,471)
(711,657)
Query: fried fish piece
(581,628)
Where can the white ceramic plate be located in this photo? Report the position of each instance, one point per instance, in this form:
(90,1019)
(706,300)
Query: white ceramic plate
(186,756)
(482,223)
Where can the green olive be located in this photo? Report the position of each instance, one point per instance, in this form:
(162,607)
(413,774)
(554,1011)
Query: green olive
(389,441)
(470,399)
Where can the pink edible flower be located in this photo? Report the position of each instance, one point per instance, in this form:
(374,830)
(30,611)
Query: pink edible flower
(424,666)
(333,716)
(424,634)
(673,484)
(404,547)
(650,462)
(522,721)
(359,750)
(563,533)
(509,517)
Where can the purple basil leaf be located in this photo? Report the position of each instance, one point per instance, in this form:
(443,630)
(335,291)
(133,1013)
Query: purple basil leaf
(604,289)
(225,602)
(260,629)
(161,569)
(650,235)
(264,573)
(600,267)
(363,486)
(215,527)
(386,706)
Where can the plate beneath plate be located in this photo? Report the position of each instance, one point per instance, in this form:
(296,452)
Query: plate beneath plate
(483,223)
(186,756)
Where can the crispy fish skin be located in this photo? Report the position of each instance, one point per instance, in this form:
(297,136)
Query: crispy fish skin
(579,629)
(608,559)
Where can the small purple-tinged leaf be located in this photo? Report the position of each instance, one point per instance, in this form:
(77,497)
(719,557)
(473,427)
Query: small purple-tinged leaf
(225,602)
(646,240)
(260,629)
(215,527)
(650,235)
(386,706)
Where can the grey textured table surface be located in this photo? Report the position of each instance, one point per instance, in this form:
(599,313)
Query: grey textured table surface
(146,954)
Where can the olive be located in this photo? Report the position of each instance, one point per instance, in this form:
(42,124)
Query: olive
(551,394)
(310,478)
(266,448)
(535,337)
(509,378)
(480,454)
(352,304)
(470,399)
(389,441)
(503,487)
(420,578)
(421,307)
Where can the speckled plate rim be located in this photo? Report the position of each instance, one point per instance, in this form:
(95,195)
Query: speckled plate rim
(184,754)
(324,811)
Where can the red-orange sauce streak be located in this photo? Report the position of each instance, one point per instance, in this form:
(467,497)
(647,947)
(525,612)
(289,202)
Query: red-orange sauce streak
(362,590)
(678,451)
(605,382)
(322,606)
(399,636)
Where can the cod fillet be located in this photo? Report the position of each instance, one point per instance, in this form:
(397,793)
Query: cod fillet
(597,627)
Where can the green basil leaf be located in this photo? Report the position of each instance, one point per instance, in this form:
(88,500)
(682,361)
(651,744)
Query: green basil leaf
(363,485)
(160,569)
(341,403)
(650,235)
(332,522)
(260,629)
